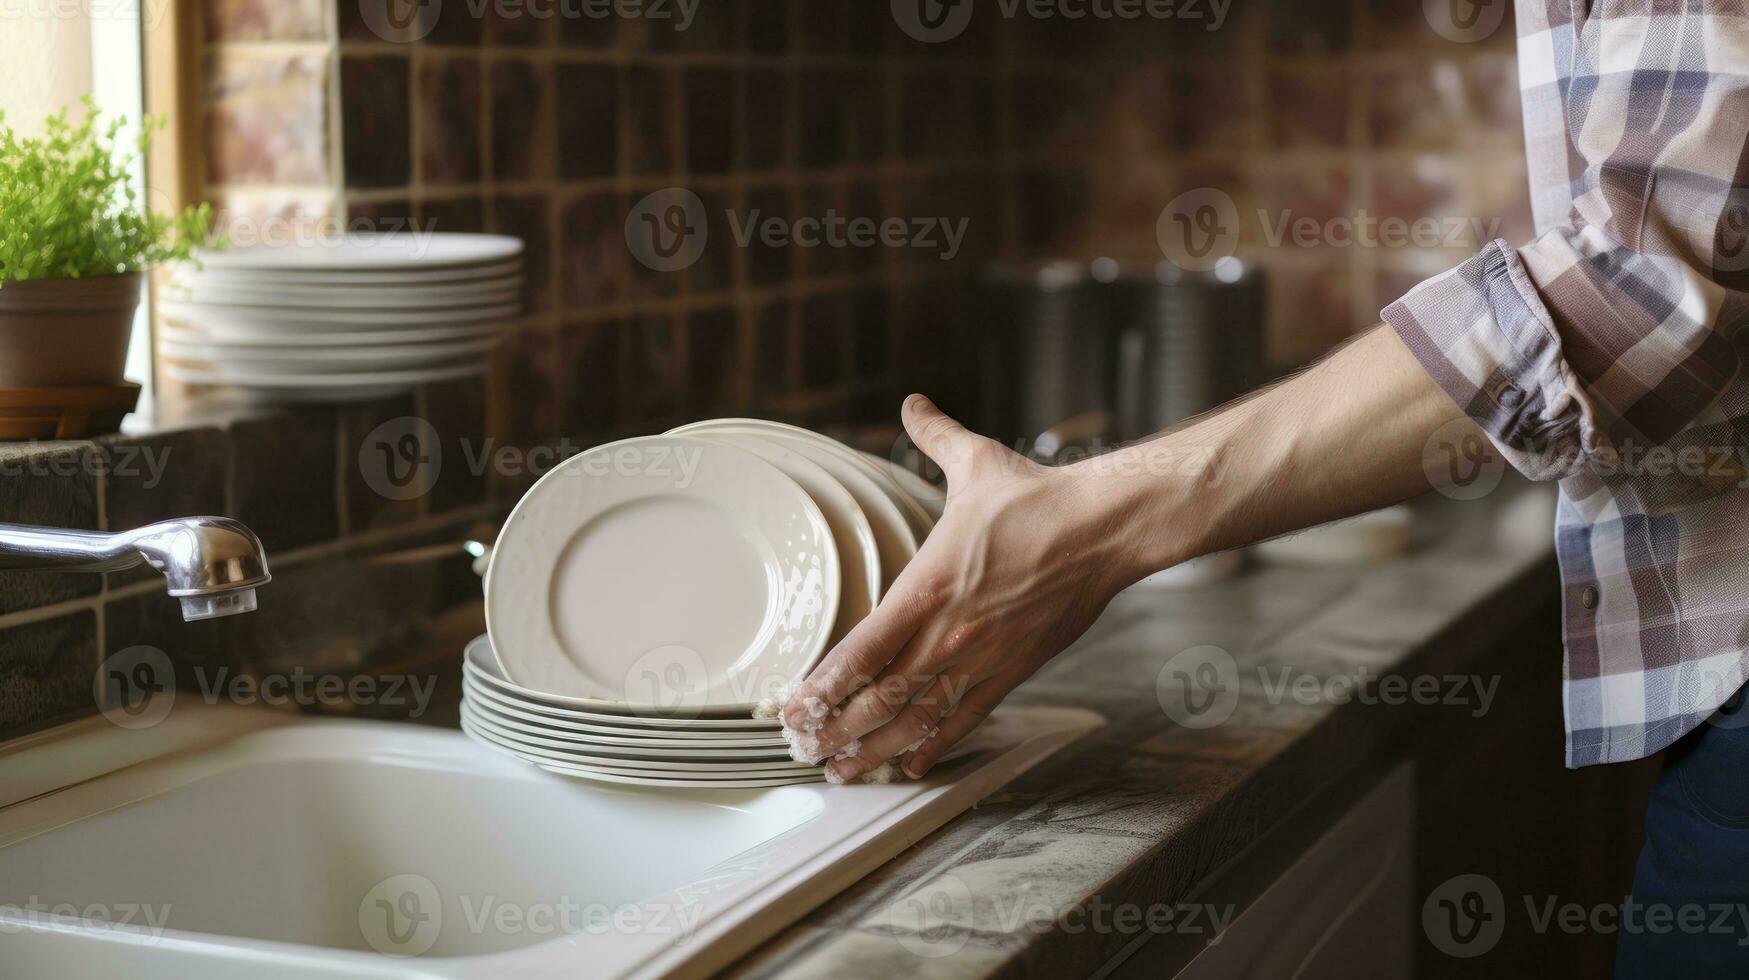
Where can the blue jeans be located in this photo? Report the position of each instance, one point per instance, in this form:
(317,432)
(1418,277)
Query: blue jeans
(1696,858)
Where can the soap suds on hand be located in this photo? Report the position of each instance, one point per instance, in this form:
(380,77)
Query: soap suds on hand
(886,772)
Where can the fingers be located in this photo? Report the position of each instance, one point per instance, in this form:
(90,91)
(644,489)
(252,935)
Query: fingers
(875,704)
(955,725)
(913,724)
(862,655)
(941,438)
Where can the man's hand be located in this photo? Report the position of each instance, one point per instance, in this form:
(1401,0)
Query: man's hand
(1022,561)
(1026,556)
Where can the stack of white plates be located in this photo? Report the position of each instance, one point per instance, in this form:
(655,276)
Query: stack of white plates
(343,318)
(646,596)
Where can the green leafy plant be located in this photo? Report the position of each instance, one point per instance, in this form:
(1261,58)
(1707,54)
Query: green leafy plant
(69,211)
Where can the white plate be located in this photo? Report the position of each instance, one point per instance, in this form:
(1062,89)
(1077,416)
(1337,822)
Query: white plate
(316,359)
(597,775)
(292,321)
(665,574)
(915,516)
(655,769)
(608,734)
(931,497)
(320,387)
(894,539)
(487,292)
(859,560)
(307,278)
(397,251)
(178,333)
(640,749)
(481,663)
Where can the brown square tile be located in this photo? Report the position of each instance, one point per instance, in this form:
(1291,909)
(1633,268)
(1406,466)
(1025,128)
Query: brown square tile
(588,120)
(592,358)
(47,673)
(528,217)
(1415,103)
(1309,107)
(587,26)
(267,118)
(710,29)
(595,257)
(715,364)
(869,340)
(52,484)
(449,121)
(764,119)
(715,268)
(529,387)
(1209,108)
(456,412)
(825,339)
(643,282)
(1309,28)
(766,263)
(521,120)
(773,349)
(655,381)
(463,213)
(509,26)
(387,465)
(824,27)
(710,120)
(284,483)
(765,26)
(652,110)
(376,112)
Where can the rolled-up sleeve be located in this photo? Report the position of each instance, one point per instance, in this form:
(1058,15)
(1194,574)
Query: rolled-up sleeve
(1569,345)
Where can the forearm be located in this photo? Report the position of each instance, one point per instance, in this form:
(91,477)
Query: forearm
(1345,436)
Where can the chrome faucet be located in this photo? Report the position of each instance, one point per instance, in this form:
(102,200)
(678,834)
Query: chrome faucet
(212,564)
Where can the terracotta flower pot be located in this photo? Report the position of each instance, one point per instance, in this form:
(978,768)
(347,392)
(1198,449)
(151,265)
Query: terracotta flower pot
(66,332)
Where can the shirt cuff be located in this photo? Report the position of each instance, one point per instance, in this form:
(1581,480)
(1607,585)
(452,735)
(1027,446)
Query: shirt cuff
(1484,335)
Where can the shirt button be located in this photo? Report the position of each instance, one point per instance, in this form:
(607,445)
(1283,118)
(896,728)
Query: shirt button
(1588,598)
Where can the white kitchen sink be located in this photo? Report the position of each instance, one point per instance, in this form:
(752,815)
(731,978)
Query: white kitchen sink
(231,841)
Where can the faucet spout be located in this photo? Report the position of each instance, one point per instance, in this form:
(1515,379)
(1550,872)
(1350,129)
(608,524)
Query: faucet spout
(211,564)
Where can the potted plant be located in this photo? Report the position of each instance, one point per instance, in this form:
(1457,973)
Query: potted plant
(74,243)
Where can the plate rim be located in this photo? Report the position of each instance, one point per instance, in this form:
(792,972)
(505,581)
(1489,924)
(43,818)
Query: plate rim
(815,641)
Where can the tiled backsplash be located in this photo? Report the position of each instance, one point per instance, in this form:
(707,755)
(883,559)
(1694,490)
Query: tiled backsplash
(1048,137)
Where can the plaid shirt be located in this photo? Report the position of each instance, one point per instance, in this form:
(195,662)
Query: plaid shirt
(1606,353)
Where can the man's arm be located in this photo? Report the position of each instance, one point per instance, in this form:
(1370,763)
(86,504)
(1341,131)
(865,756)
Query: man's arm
(1026,556)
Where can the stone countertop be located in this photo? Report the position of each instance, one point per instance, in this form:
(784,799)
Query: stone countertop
(1141,813)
